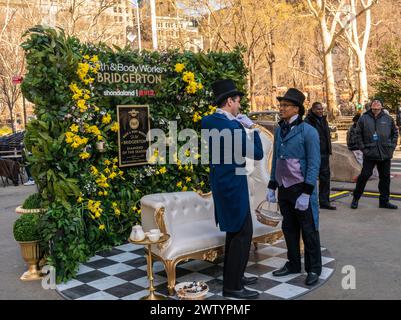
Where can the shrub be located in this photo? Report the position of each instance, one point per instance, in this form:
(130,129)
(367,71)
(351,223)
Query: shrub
(34,201)
(26,228)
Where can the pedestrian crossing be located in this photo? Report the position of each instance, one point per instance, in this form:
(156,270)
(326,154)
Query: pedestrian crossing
(396,166)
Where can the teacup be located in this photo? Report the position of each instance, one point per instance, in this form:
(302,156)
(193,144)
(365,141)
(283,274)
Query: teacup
(153,236)
(155,231)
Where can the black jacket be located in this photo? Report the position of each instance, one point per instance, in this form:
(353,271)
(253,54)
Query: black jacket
(352,139)
(387,133)
(322,128)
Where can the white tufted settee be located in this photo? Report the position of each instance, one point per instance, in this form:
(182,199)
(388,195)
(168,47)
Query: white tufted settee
(189,218)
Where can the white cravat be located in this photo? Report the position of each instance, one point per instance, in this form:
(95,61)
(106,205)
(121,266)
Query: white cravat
(227,114)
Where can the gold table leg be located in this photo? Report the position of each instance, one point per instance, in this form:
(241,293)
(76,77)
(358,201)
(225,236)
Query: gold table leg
(152,295)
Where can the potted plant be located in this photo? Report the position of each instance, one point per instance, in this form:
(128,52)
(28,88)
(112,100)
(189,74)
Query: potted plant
(32,204)
(26,232)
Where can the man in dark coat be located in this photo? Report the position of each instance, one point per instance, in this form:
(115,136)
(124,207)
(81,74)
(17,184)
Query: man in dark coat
(377,138)
(228,145)
(317,120)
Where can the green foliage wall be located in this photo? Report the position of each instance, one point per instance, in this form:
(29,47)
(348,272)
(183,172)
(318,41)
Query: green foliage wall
(92,202)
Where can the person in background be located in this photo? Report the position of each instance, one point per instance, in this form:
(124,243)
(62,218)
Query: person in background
(295,169)
(317,120)
(398,120)
(376,135)
(352,143)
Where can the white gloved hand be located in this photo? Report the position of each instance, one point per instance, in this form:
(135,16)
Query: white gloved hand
(244,120)
(271,196)
(302,202)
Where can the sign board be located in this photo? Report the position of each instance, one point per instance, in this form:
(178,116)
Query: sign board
(134,126)
(17,79)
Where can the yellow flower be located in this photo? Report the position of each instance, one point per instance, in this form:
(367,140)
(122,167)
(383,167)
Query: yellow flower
(187,152)
(185,188)
(102,227)
(69,137)
(100,193)
(105,193)
(191,87)
(114,204)
(84,155)
(86,57)
(94,59)
(112,175)
(163,170)
(87,96)
(106,119)
(79,200)
(179,184)
(115,160)
(200,86)
(99,138)
(179,67)
(196,117)
(107,162)
(188,76)
(202,184)
(74,128)
(117,212)
(107,170)
(114,127)
(94,170)
(188,179)
(96,109)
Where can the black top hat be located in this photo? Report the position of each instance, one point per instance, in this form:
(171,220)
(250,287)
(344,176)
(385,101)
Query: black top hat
(295,96)
(223,89)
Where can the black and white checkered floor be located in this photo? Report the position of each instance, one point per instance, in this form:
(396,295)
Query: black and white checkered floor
(120,274)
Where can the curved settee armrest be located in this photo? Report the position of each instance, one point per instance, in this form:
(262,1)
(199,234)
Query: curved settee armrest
(167,210)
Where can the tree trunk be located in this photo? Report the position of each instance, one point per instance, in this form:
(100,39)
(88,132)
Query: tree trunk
(273,83)
(10,109)
(363,80)
(331,96)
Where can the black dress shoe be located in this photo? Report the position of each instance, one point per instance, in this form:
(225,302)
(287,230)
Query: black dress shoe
(240,294)
(246,281)
(328,207)
(388,205)
(284,271)
(311,279)
(354,203)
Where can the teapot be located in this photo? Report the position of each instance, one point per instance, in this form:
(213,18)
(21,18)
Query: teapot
(137,233)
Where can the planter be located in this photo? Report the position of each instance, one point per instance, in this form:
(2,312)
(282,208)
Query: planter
(32,254)
(21,210)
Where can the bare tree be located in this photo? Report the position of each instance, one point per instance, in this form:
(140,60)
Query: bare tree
(353,37)
(328,14)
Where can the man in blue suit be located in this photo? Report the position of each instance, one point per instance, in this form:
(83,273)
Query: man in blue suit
(228,146)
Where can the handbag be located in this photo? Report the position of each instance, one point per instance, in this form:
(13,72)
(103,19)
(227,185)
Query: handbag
(268,216)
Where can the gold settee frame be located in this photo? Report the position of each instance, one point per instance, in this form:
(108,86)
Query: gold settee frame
(209,254)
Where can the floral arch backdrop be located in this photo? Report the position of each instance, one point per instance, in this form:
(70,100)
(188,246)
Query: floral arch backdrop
(92,202)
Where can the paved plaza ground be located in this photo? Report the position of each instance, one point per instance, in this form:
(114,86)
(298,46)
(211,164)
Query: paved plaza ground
(369,239)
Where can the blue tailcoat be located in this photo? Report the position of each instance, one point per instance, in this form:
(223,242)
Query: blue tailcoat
(302,143)
(230,190)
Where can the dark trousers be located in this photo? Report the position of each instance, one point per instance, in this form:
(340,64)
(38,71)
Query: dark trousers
(383,167)
(295,222)
(236,255)
(324,180)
